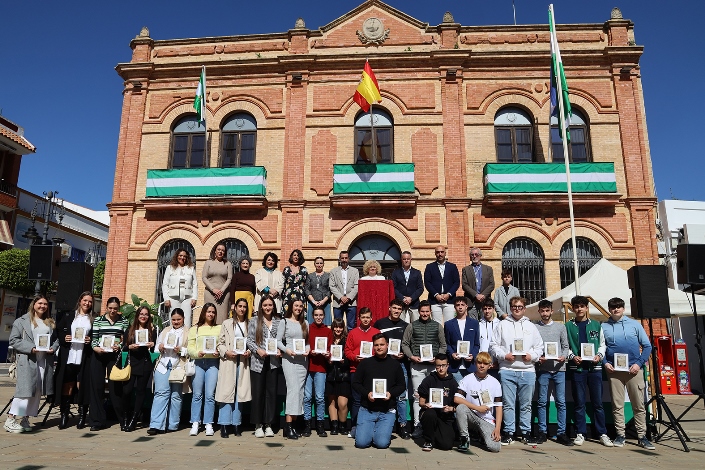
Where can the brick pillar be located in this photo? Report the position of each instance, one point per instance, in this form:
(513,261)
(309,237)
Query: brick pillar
(643,220)
(453,135)
(292,228)
(457,228)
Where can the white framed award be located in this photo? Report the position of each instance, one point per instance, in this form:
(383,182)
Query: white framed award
(106,342)
(209,343)
(365,348)
(621,362)
(42,342)
(463,348)
(550,350)
(426,352)
(435,397)
(379,388)
(171,341)
(78,335)
(240,345)
(271,346)
(518,347)
(485,398)
(587,351)
(336,352)
(141,337)
(321,345)
(394,347)
(299,346)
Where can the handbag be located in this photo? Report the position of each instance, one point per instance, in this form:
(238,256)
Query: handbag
(120,375)
(177,375)
(190,368)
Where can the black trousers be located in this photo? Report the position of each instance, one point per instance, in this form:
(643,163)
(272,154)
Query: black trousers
(121,394)
(264,394)
(436,430)
(101,365)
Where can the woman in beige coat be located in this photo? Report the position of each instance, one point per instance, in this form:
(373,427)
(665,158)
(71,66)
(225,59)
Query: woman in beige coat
(233,388)
(269,281)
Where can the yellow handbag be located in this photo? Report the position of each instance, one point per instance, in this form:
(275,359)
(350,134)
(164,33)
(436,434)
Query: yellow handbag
(120,375)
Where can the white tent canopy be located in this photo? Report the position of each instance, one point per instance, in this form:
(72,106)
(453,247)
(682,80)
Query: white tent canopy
(606,280)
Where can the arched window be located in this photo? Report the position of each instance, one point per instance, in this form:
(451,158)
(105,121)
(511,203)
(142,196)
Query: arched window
(578,147)
(514,136)
(234,249)
(188,143)
(166,252)
(588,255)
(526,260)
(376,247)
(384,136)
(239,138)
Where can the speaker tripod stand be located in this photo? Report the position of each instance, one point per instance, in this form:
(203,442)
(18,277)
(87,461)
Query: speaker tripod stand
(699,348)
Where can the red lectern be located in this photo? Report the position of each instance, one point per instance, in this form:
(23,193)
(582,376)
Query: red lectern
(376,295)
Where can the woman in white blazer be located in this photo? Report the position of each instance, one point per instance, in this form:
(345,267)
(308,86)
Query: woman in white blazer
(269,281)
(180,287)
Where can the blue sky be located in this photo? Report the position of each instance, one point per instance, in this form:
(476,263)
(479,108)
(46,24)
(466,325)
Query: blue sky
(58,79)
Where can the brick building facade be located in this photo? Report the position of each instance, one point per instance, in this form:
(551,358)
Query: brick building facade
(456,101)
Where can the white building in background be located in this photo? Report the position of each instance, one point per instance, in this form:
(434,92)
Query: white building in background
(681,222)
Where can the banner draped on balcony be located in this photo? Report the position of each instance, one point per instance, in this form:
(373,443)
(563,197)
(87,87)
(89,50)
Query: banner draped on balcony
(549,178)
(249,181)
(373,179)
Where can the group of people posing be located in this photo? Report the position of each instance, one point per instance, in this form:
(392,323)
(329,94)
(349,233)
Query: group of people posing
(461,375)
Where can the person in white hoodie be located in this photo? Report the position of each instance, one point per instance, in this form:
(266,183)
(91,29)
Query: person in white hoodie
(517,345)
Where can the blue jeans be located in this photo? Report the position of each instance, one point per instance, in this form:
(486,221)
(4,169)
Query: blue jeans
(582,382)
(206,379)
(350,312)
(326,316)
(401,400)
(231,413)
(167,401)
(517,385)
(317,381)
(374,428)
(458,376)
(558,378)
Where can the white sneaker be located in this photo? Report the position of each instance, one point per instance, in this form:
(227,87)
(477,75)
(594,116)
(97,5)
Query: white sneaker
(194,429)
(209,430)
(26,427)
(258,431)
(579,440)
(268,431)
(605,440)
(11,425)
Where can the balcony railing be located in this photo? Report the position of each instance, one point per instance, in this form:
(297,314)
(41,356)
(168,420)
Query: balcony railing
(204,182)
(383,178)
(8,188)
(517,178)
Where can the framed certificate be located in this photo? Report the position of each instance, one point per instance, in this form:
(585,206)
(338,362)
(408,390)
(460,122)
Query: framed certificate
(518,347)
(435,397)
(271,346)
(209,344)
(141,337)
(171,341)
(336,352)
(621,362)
(299,346)
(379,388)
(240,346)
(42,342)
(587,351)
(321,345)
(550,350)
(394,347)
(463,348)
(485,398)
(106,342)
(365,348)
(78,335)
(426,352)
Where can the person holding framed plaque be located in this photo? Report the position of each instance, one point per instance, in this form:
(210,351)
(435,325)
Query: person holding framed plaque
(35,365)
(263,367)
(319,336)
(377,415)
(585,373)
(180,285)
(551,368)
(463,329)
(516,371)
(338,388)
(437,422)
(233,387)
(423,331)
(207,364)
(626,336)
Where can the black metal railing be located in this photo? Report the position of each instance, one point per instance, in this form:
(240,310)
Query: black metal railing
(8,188)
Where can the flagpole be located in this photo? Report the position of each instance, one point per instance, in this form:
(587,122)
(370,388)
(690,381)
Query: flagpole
(374,140)
(203,114)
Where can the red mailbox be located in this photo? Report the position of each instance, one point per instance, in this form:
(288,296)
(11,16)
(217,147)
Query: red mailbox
(667,364)
(680,354)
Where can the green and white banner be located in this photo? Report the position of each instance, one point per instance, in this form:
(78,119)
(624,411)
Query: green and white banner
(373,179)
(549,178)
(246,181)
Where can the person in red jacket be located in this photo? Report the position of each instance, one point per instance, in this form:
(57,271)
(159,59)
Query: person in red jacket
(317,369)
(364,332)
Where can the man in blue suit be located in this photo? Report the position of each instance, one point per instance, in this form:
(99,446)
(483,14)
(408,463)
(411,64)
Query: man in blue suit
(462,328)
(408,287)
(442,280)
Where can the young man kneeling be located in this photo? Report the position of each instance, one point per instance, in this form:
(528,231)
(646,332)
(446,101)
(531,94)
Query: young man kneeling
(436,398)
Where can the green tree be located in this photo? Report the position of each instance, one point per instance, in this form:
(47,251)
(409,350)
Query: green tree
(98,278)
(14,266)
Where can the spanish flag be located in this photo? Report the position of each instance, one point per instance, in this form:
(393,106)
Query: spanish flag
(368,90)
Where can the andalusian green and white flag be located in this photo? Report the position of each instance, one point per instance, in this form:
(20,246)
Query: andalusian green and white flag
(199,103)
(557,73)
(244,181)
(504,178)
(373,179)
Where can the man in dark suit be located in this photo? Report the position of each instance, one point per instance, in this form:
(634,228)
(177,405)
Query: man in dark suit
(408,287)
(462,328)
(442,280)
(478,282)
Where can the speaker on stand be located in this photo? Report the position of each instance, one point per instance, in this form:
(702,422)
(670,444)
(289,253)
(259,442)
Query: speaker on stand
(74,279)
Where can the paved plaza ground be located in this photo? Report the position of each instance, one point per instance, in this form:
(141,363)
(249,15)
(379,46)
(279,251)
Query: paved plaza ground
(48,447)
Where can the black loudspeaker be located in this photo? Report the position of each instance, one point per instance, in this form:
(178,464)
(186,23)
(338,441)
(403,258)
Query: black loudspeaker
(691,264)
(74,278)
(44,262)
(649,287)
